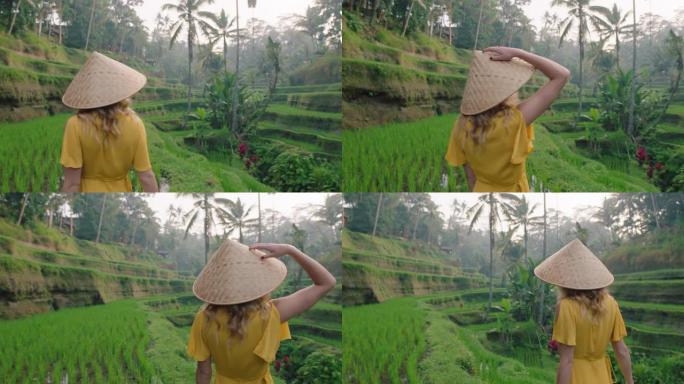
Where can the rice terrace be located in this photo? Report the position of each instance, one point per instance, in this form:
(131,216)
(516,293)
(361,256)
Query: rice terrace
(404,71)
(425,283)
(283,133)
(112,303)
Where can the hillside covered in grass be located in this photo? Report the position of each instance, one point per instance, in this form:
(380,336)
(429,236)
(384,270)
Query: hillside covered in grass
(42,269)
(401,96)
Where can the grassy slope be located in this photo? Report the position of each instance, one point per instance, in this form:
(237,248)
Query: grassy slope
(33,59)
(386,71)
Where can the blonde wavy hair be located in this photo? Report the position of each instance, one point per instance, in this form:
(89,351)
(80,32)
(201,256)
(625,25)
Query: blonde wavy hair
(103,121)
(480,123)
(591,300)
(238,315)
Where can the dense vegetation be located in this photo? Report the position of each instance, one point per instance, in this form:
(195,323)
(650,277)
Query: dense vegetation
(254,108)
(406,61)
(403,251)
(129,268)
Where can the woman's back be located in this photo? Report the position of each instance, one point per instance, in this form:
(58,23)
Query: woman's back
(238,360)
(574,326)
(499,160)
(105,163)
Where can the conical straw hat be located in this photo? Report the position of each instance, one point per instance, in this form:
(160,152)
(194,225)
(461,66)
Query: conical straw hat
(102,81)
(237,275)
(490,82)
(574,266)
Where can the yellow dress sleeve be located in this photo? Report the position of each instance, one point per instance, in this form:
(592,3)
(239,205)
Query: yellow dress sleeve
(141,163)
(72,154)
(274,332)
(455,155)
(524,138)
(197,349)
(564,330)
(619,329)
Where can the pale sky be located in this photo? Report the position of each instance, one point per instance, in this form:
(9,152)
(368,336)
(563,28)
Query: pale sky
(290,205)
(665,8)
(570,204)
(271,11)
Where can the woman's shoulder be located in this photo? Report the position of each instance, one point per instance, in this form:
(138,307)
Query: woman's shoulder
(131,118)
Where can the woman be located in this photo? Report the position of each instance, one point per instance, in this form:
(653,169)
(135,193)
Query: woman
(240,327)
(105,139)
(493,135)
(587,317)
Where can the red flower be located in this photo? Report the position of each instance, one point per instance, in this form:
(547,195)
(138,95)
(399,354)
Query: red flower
(254,158)
(553,345)
(242,149)
(286,359)
(277,365)
(659,166)
(641,154)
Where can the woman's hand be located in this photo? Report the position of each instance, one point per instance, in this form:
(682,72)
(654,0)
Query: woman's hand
(502,53)
(273,250)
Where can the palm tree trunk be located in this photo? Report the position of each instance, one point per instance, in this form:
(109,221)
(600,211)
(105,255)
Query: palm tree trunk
(236,90)
(479,20)
(407,17)
(377,214)
(581,48)
(190,57)
(527,258)
(541,301)
(90,24)
(617,49)
(259,210)
(99,225)
(24,203)
(630,123)
(491,252)
(206,229)
(225,56)
(14,17)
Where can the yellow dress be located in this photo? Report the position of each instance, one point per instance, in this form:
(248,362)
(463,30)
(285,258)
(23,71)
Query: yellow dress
(590,338)
(244,361)
(498,162)
(105,167)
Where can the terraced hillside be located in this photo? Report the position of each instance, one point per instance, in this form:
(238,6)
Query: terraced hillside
(34,74)
(377,269)
(400,98)
(455,339)
(45,270)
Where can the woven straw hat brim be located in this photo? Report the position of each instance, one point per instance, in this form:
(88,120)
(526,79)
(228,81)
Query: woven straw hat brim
(102,81)
(235,275)
(490,82)
(574,266)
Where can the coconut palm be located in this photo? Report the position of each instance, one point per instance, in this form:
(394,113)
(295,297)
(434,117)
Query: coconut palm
(16,11)
(409,12)
(311,24)
(273,54)
(188,19)
(210,209)
(614,24)
(236,217)
(582,12)
(497,207)
(220,32)
(522,215)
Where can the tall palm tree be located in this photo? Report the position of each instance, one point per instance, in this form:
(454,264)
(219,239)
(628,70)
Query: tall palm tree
(16,11)
(407,15)
(497,206)
(236,91)
(210,209)
(377,214)
(237,217)
(522,215)
(584,13)
(273,55)
(542,299)
(630,122)
(614,24)
(221,31)
(90,23)
(192,22)
(311,24)
(330,212)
